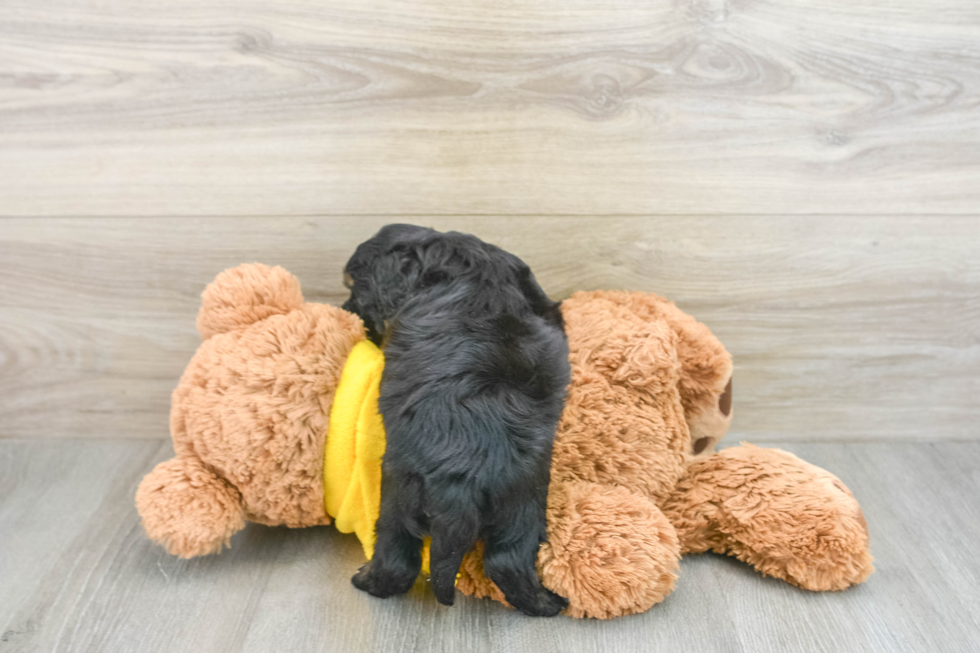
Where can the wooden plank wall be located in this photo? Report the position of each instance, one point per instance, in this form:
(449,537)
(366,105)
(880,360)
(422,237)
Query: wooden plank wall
(803,176)
(210,107)
(841,328)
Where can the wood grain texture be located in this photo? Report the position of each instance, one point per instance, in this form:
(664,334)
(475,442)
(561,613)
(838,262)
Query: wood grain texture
(79,575)
(841,329)
(205,107)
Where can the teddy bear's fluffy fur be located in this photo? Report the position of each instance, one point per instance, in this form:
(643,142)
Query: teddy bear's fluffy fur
(628,494)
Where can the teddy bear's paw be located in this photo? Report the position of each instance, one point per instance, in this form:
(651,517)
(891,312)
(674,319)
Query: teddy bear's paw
(610,551)
(188,509)
(836,555)
(382,583)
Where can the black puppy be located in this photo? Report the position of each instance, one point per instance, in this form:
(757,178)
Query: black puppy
(476,368)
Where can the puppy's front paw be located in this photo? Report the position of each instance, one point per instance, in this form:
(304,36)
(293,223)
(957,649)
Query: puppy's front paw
(379,583)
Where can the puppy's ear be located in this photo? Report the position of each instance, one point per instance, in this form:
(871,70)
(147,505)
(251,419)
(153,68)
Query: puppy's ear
(397,273)
(432,277)
(540,303)
(430,262)
(404,265)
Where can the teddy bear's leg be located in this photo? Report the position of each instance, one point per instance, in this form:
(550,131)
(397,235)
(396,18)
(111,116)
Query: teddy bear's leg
(784,516)
(188,509)
(610,552)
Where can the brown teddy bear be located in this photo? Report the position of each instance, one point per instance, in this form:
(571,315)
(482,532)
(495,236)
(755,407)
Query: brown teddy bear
(635,482)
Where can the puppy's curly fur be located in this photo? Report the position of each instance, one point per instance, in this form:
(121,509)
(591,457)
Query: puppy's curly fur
(476,369)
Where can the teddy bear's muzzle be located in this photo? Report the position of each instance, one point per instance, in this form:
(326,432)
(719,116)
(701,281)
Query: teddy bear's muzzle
(711,424)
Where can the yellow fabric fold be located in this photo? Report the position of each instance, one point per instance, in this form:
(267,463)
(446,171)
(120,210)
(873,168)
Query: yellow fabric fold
(354,447)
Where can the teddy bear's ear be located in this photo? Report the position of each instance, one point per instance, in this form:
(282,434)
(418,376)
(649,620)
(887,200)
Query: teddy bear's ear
(705,381)
(244,295)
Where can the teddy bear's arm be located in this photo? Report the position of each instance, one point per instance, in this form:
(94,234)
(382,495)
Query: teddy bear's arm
(782,515)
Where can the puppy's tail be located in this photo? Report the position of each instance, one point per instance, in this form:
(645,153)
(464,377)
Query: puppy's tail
(452,538)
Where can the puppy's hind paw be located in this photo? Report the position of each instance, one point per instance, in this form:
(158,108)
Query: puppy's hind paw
(380,583)
(544,604)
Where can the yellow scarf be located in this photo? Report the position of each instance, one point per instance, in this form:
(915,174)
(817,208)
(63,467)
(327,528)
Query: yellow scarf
(354,447)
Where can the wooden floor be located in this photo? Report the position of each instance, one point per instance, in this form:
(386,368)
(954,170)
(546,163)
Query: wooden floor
(79,575)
